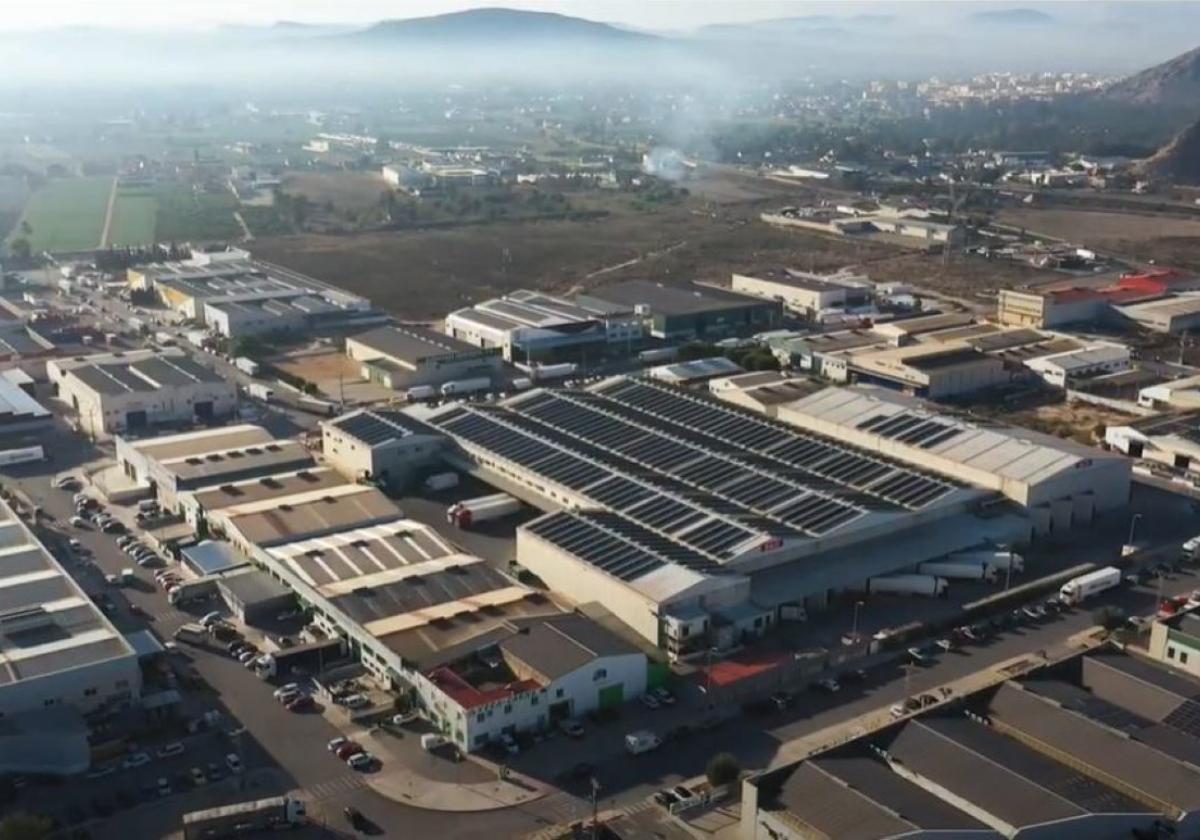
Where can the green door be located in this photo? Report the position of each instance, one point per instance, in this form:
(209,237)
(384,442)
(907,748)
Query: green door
(612,696)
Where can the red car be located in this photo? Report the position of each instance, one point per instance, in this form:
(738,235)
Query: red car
(348,749)
(301,704)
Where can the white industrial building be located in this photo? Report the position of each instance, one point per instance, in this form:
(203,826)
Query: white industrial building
(535,327)
(1096,359)
(692,521)
(238,296)
(807,293)
(120,392)
(168,466)
(1176,394)
(56,647)
(379,444)
(404,356)
(1166,315)
(1060,483)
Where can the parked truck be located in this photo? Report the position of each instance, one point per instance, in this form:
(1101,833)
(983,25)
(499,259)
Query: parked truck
(244,818)
(522,383)
(658,355)
(311,659)
(481,509)
(545,373)
(192,634)
(246,365)
(419,393)
(259,391)
(1079,589)
(992,558)
(908,585)
(441,481)
(965,570)
(466,386)
(191,591)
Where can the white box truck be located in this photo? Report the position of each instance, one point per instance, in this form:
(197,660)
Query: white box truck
(958,571)
(993,558)
(246,365)
(545,373)
(441,481)
(482,509)
(260,392)
(1079,589)
(907,585)
(641,741)
(418,393)
(244,818)
(466,386)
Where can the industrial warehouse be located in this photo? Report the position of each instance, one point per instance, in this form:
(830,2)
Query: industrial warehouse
(685,516)
(1102,745)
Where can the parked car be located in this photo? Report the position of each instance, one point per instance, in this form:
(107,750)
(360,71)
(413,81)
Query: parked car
(356,701)
(215,773)
(234,763)
(665,798)
(947,644)
(171,749)
(509,743)
(918,656)
(663,696)
(781,699)
(137,759)
(336,744)
(198,777)
(210,618)
(571,727)
(827,685)
(300,703)
(348,749)
(164,787)
(78,521)
(361,761)
(650,701)
(283,689)
(354,817)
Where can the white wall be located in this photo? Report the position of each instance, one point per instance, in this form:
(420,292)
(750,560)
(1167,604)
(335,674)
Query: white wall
(86,688)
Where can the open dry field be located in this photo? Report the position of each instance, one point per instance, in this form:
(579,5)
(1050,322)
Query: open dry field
(1097,229)
(423,274)
(347,190)
(1076,421)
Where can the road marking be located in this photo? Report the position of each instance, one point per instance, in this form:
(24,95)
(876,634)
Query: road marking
(334,787)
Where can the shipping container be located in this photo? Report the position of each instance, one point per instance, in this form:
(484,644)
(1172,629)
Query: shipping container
(908,585)
(466,386)
(482,509)
(246,366)
(998,560)
(244,818)
(958,571)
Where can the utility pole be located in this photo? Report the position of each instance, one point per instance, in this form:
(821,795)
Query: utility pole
(595,809)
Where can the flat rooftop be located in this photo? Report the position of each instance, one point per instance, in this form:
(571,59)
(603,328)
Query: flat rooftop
(47,622)
(306,515)
(215,466)
(1008,451)
(275,486)
(169,447)
(690,299)
(339,563)
(413,344)
(145,375)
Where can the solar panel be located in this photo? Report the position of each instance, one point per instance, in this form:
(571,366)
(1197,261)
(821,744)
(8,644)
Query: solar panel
(1185,717)
(370,429)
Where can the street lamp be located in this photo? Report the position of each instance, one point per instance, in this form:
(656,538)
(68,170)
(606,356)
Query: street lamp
(1132,527)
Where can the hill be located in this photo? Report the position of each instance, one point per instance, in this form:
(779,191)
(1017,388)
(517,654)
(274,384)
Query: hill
(496,27)
(1175,82)
(1179,160)
(1013,17)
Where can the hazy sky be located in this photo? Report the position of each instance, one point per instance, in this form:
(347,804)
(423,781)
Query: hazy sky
(660,14)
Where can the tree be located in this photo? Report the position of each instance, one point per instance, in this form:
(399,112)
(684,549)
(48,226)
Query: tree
(26,228)
(723,769)
(20,248)
(250,346)
(22,826)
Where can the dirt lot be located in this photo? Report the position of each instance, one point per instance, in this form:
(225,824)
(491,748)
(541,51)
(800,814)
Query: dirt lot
(347,190)
(423,274)
(1101,229)
(1077,421)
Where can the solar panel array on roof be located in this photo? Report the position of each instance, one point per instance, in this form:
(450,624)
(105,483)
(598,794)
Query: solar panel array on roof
(916,429)
(371,428)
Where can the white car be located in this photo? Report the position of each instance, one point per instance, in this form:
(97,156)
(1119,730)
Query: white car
(650,701)
(234,763)
(245,656)
(336,744)
(138,759)
(290,688)
(210,618)
(168,750)
(356,701)
(78,522)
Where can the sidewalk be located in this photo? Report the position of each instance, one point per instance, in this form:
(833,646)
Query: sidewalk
(473,784)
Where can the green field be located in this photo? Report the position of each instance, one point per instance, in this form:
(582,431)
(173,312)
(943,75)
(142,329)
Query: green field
(68,214)
(133,218)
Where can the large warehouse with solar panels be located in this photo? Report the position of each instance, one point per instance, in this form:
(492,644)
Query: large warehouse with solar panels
(683,515)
